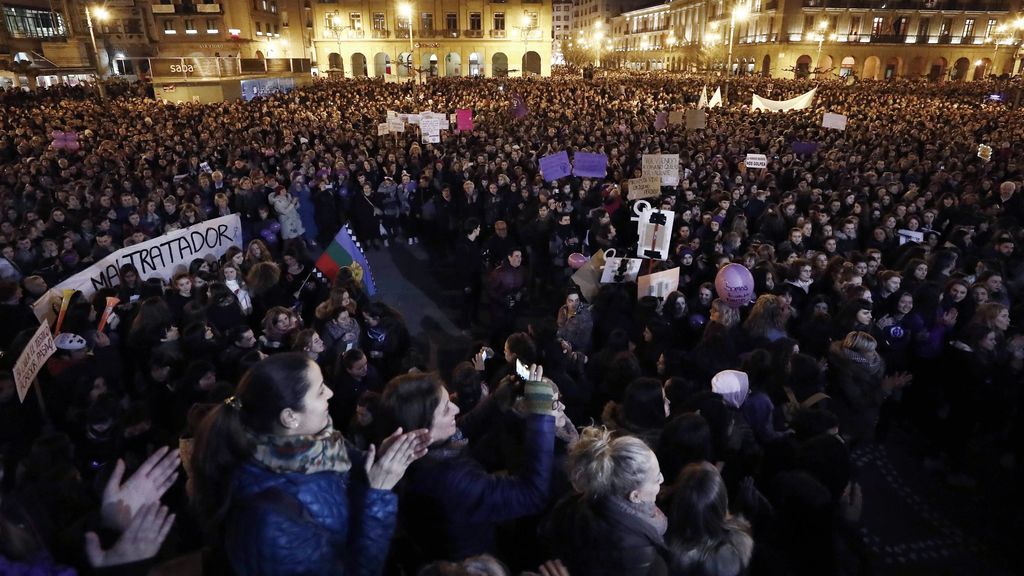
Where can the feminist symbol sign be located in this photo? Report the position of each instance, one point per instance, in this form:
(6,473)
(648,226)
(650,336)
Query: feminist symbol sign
(65,141)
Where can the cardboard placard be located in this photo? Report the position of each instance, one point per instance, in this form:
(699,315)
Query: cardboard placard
(618,270)
(696,120)
(834,121)
(665,166)
(756,161)
(32,359)
(396,125)
(659,284)
(382,129)
(676,117)
(645,187)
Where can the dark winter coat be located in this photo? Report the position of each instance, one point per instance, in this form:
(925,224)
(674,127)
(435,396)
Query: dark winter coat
(322,523)
(451,504)
(597,538)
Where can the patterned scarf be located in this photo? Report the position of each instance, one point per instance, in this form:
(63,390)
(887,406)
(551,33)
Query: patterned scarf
(303,454)
(646,512)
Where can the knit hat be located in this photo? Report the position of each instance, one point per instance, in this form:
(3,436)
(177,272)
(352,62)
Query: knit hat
(732,385)
(69,342)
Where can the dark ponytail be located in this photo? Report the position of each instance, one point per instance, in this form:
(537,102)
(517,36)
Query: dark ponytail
(221,443)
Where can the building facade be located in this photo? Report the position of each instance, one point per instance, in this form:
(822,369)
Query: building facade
(935,39)
(44,42)
(438,38)
(561,28)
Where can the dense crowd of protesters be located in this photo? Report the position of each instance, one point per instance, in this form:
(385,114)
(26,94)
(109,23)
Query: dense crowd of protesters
(585,436)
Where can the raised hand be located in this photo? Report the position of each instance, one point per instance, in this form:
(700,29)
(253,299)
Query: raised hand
(553,568)
(398,451)
(140,541)
(122,502)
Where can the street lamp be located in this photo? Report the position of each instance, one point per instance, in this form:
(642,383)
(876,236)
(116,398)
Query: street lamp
(526,29)
(101,15)
(405,11)
(598,37)
(671,40)
(739,14)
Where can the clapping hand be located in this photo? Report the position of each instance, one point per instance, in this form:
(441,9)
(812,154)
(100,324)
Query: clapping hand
(896,381)
(553,568)
(398,451)
(122,502)
(141,540)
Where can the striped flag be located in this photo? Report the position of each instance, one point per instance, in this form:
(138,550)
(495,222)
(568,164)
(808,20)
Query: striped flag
(345,251)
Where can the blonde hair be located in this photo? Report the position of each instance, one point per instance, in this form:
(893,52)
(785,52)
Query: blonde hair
(861,342)
(769,311)
(603,465)
(727,315)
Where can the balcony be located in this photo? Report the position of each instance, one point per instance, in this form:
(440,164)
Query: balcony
(497,33)
(208,8)
(450,33)
(402,33)
(969,5)
(473,33)
(381,34)
(163,8)
(888,39)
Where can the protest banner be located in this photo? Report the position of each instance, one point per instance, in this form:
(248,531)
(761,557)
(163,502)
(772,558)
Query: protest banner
(555,166)
(589,164)
(834,121)
(659,284)
(799,103)
(645,187)
(382,129)
(676,117)
(160,258)
(412,118)
(756,161)
(391,114)
(396,125)
(36,353)
(665,166)
(696,120)
(464,120)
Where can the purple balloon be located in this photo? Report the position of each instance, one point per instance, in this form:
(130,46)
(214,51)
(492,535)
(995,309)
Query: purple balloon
(59,144)
(577,260)
(275,226)
(57,135)
(735,285)
(72,145)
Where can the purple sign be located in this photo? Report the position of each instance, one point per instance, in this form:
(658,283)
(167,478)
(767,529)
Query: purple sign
(589,164)
(555,166)
(661,121)
(805,147)
(464,120)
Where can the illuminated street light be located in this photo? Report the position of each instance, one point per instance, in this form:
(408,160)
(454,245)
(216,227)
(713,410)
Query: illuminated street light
(740,12)
(101,14)
(405,11)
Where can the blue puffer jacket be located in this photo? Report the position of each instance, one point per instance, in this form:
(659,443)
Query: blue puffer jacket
(322,523)
(452,505)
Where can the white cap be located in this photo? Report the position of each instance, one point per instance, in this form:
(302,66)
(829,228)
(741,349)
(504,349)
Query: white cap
(732,385)
(70,342)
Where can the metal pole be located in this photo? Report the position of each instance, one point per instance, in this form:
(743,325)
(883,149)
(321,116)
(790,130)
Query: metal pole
(728,64)
(412,54)
(96,55)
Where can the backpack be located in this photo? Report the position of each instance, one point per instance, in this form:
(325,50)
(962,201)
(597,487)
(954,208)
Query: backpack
(792,405)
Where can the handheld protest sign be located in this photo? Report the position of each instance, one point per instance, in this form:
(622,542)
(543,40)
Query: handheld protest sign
(654,230)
